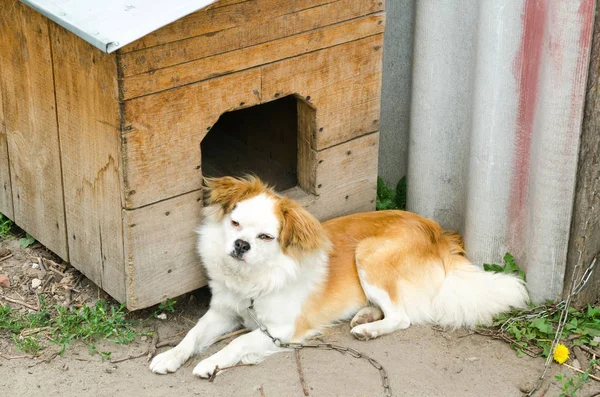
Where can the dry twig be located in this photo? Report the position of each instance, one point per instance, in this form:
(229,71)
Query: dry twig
(262,391)
(581,372)
(300,372)
(130,357)
(18,302)
(590,350)
(6,257)
(217,370)
(153,342)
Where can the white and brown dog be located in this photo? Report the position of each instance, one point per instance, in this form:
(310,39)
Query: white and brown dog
(385,270)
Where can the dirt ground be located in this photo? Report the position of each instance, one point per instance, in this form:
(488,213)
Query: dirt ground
(421,360)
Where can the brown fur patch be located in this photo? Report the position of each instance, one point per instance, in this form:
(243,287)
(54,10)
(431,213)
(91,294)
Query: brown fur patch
(228,191)
(300,231)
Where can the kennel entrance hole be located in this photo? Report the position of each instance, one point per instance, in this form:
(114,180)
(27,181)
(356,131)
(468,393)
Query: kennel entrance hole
(261,140)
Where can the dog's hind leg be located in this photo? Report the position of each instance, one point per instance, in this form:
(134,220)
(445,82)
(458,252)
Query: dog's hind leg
(379,280)
(366,315)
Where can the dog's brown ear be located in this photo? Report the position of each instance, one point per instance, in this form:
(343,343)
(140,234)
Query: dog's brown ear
(228,191)
(300,231)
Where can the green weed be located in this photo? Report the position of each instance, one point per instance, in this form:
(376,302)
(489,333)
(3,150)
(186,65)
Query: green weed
(63,326)
(5,226)
(532,331)
(26,241)
(166,306)
(390,199)
(572,384)
(510,267)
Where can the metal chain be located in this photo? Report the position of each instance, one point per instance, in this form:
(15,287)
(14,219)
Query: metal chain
(324,346)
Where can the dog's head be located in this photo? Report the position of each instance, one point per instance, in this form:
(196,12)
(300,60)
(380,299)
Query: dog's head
(259,225)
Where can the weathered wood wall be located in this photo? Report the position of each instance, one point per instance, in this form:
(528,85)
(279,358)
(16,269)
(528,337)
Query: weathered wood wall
(585,228)
(90,138)
(30,128)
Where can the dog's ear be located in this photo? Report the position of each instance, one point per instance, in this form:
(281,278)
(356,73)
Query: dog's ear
(300,231)
(228,191)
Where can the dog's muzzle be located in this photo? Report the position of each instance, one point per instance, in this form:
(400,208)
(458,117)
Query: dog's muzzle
(240,247)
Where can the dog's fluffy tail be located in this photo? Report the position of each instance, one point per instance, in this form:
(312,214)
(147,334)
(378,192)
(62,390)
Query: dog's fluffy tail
(470,296)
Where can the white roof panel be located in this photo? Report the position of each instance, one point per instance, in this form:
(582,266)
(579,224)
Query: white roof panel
(112,24)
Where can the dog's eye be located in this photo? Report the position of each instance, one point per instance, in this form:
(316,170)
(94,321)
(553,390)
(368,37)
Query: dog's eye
(265,237)
(235,223)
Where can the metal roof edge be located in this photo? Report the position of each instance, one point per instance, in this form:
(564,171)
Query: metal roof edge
(95,41)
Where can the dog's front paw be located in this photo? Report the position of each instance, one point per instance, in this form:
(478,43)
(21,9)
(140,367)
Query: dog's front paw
(169,361)
(205,368)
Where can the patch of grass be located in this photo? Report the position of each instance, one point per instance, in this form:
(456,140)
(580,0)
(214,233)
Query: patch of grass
(28,344)
(5,226)
(532,331)
(62,326)
(391,199)
(572,384)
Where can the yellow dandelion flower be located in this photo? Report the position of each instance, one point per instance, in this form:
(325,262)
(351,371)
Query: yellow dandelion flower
(561,353)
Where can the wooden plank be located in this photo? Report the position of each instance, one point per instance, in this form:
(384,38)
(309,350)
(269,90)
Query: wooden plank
(307,128)
(89,124)
(346,178)
(585,226)
(219,16)
(30,125)
(343,83)
(254,32)
(161,250)
(190,72)
(6,204)
(161,144)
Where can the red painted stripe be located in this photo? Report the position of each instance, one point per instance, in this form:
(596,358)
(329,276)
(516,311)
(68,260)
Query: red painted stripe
(526,70)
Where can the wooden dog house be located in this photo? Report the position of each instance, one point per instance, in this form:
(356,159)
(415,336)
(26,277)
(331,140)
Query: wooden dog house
(103,146)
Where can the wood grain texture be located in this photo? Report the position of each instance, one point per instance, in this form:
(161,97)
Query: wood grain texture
(307,163)
(343,83)
(585,226)
(160,250)
(162,135)
(30,125)
(346,178)
(254,31)
(206,68)
(6,204)
(89,124)
(220,16)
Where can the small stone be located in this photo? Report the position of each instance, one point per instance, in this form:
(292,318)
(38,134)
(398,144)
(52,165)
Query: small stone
(4,280)
(472,359)
(162,316)
(65,367)
(597,339)
(526,386)
(576,364)
(35,283)
(35,265)
(144,338)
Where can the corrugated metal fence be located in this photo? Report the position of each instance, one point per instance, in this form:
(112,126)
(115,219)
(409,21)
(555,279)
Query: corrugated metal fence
(496,100)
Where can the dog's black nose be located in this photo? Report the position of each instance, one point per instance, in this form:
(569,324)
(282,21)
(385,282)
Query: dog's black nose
(241,246)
